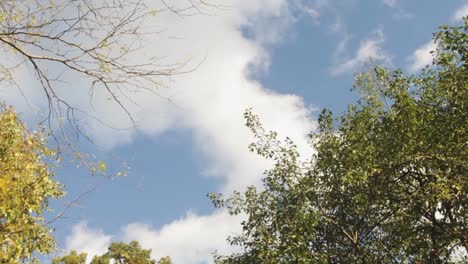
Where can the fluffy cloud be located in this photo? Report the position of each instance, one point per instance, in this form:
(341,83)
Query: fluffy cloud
(460,13)
(85,239)
(369,49)
(421,56)
(189,240)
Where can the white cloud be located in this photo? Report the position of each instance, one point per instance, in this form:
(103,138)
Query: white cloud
(391,3)
(421,56)
(312,12)
(370,48)
(190,240)
(400,12)
(88,240)
(314,8)
(310,9)
(460,13)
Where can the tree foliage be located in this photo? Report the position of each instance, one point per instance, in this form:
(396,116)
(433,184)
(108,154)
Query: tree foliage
(26,186)
(119,253)
(388,180)
(72,258)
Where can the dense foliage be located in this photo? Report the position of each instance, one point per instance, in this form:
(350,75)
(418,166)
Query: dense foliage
(72,258)
(26,186)
(388,180)
(119,253)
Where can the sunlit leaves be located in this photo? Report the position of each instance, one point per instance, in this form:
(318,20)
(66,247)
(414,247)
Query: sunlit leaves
(26,185)
(119,253)
(72,258)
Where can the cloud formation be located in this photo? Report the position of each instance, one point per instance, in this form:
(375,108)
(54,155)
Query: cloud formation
(460,13)
(88,240)
(192,239)
(421,57)
(396,6)
(391,3)
(369,49)
(189,240)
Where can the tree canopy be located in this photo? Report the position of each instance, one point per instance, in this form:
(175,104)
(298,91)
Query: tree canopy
(387,182)
(26,186)
(118,252)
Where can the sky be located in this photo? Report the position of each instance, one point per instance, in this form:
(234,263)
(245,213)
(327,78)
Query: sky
(284,59)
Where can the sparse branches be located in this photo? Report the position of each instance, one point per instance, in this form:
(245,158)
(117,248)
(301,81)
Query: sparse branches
(94,39)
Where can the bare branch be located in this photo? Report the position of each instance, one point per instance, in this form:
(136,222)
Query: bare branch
(94,39)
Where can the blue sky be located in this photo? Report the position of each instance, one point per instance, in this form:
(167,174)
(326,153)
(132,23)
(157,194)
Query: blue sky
(285,59)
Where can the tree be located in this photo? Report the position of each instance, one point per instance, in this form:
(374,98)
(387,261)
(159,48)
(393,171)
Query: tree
(387,183)
(72,258)
(26,186)
(119,253)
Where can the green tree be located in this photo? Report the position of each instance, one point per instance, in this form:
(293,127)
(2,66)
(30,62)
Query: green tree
(26,186)
(72,258)
(119,253)
(388,180)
